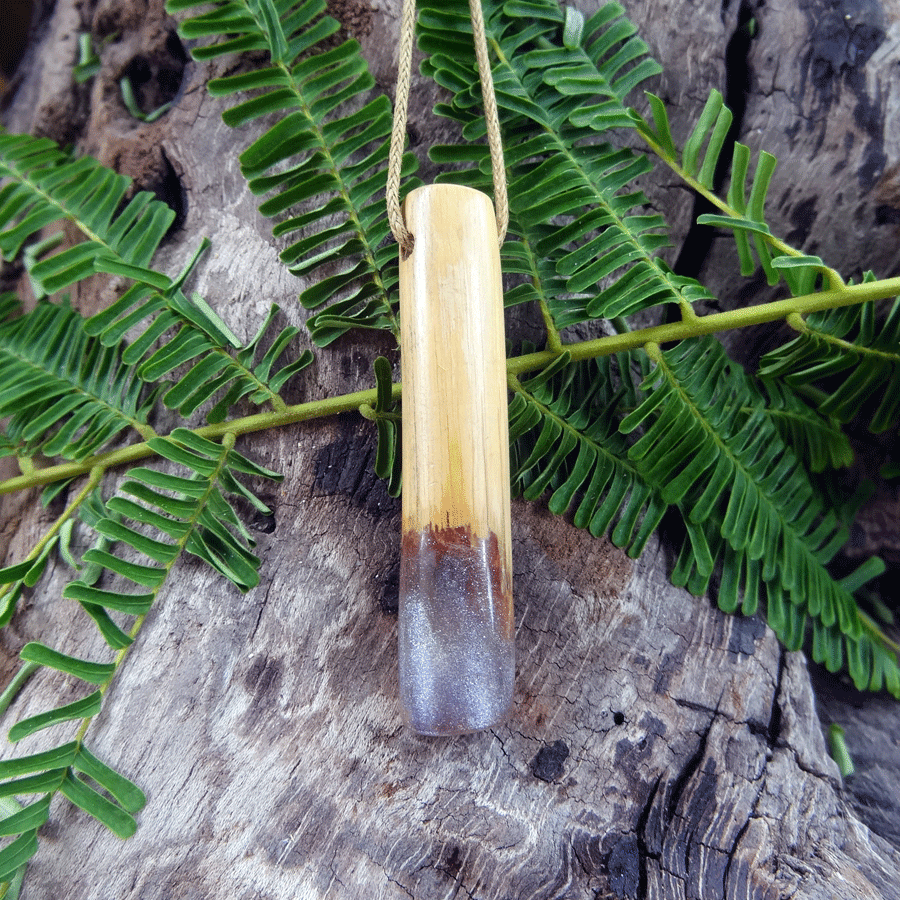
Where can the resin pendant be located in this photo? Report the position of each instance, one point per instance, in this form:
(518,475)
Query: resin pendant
(457,654)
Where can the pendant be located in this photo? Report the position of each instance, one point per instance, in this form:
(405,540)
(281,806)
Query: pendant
(457,650)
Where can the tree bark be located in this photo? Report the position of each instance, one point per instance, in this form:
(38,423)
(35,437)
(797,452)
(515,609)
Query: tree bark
(658,748)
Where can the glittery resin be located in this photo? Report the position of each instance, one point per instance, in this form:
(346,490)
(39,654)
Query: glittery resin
(457,652)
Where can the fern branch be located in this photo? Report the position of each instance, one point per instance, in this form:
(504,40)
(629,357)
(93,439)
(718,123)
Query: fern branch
(739,212)
(219,365)
(695,326)
(193,522)
(201,521)
(734,477)
(44,185)
(567,192)
(563,439)
(609,345)
(329,150)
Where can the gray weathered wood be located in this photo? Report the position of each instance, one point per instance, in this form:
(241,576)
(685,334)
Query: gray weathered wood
(659,749)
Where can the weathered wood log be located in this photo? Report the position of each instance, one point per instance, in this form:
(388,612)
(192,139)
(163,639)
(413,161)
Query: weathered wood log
(657,748)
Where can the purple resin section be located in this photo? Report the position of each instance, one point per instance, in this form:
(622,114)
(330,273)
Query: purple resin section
(457,649)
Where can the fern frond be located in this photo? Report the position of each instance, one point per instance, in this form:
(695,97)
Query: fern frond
(327,153)
(570,196)
(854,357)
(181,330)
(742,212)
(185,512)
(816,438)
(65,393)
(564,439)
(45,185)
(735,479)
(154,518)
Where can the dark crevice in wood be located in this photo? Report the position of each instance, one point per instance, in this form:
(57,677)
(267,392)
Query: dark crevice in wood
(643,848)
(731,855)
(549,763)
(171,191)
(774,730)
(698,241)
(680,784)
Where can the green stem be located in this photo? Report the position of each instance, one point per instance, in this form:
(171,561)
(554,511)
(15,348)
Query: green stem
(875,631)
(314,409)
(604,346)
(700,325)
(554,341)
(96,473)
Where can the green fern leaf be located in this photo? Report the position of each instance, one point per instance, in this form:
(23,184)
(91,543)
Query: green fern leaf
(741,213)
(28,819)
(65,393)
(855,358)
(125,792)
(189,513)
(118,820)
(569,196)
(17,854)
(708,445)
(92,672)
(199,337)
(78,709)
(44,185)
(564,439)
(68,769)
(327,154)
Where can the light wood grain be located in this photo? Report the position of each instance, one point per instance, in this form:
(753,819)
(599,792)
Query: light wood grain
(453,358)
(457,659)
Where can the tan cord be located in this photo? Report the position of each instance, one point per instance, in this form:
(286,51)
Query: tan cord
(398,132)
(401,107)
(495,141)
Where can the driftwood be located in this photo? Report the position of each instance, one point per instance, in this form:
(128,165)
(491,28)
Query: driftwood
(658,748)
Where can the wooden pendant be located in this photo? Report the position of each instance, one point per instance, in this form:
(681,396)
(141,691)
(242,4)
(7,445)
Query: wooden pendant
(457,654)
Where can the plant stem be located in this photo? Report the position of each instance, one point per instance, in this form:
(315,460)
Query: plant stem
(96,473)
(314,409)
(736,318)
(847,295)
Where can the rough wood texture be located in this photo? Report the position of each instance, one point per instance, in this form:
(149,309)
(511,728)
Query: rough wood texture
(658,749)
